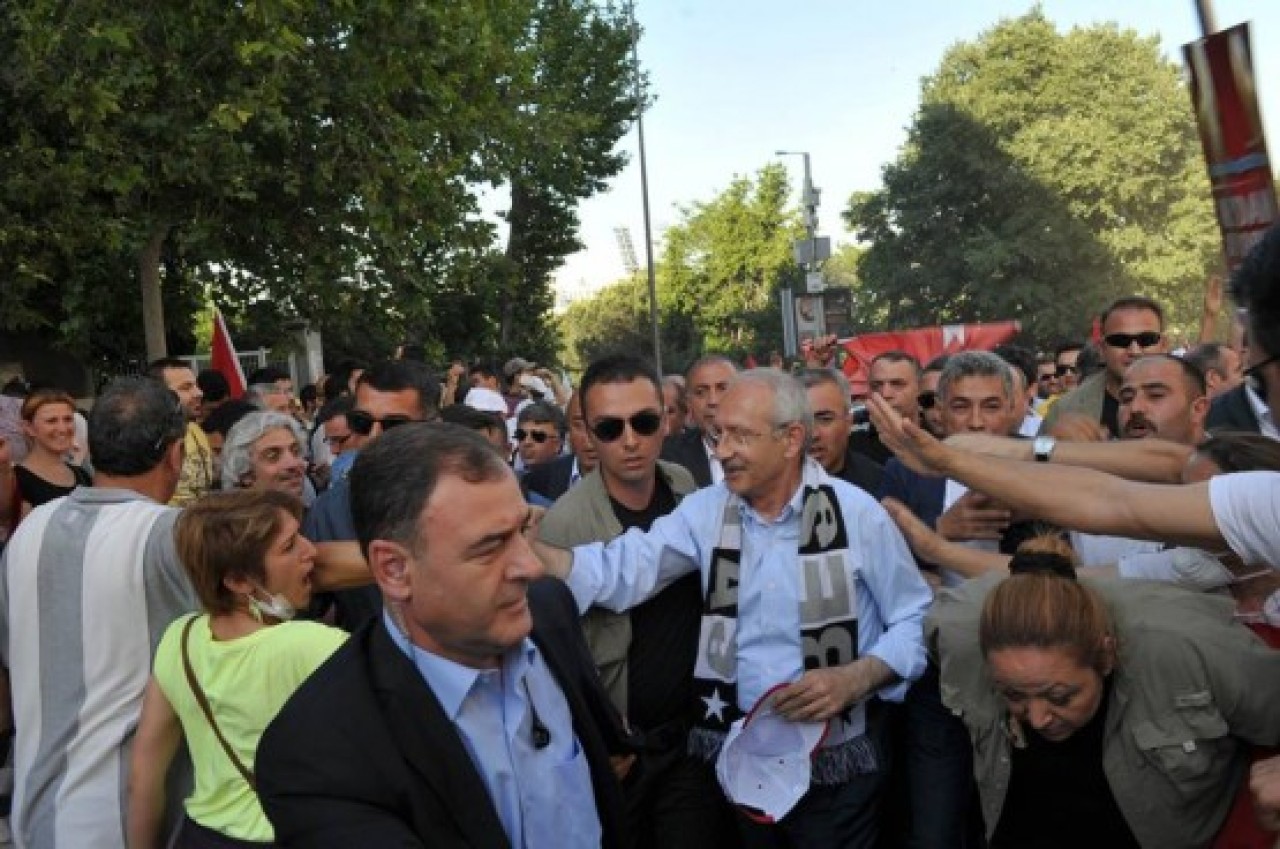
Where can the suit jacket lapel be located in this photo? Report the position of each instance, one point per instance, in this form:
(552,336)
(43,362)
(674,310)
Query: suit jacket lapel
(431,745)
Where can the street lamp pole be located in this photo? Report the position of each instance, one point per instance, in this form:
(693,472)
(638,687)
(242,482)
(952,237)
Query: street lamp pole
(809,253)
(644,193)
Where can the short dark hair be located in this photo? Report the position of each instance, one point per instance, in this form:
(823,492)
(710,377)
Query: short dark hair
(268,375)
(1207,356)
(335,407)
(1192,376)
(1089,361)
(1132,302)
(226,416)
(618,368)
(388,494)
(1064,347)
(1256,287)
(543,412)
(938,363)
(132,424)
(308,394)
(399,375)
(472,419)
(1239,451)
(339,378)
(485,368)
(157,368)
(898,357)
(214,385)
(1023,359)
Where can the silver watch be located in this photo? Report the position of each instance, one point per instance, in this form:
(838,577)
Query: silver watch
(1042,448)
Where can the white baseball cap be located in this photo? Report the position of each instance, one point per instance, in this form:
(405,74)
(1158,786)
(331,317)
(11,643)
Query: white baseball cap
(485,400)
(766,762)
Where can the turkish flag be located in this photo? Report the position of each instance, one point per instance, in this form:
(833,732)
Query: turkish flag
(224,356)
(923,343)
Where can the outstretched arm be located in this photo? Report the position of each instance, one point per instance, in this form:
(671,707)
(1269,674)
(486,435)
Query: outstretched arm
(1078,498)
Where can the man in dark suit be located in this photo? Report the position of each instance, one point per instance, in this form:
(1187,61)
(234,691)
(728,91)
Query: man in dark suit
(829,398)
(707,381)
(553,479)
(468,714)
(1236,409)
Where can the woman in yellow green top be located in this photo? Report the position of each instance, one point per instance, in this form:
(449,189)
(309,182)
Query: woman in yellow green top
(221,676)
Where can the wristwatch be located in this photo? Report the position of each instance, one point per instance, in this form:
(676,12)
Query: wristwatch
(1042,448)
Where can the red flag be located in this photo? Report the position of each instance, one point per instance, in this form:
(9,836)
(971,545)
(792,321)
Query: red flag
(923,343)
(224,356)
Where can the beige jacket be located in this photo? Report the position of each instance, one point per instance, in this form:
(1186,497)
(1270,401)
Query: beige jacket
(1191,687)
(583,514)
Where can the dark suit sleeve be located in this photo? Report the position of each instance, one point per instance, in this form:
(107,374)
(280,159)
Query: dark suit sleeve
(320,785)
(894,483)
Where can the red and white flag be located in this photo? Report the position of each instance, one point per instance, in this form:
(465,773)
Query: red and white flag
(224,356)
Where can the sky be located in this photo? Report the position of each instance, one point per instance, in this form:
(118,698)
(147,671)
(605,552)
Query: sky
(736,80)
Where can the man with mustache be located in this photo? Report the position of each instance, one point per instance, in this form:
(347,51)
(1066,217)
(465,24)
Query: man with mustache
(1163,395)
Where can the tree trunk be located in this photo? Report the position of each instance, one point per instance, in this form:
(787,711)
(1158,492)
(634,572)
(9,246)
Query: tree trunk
(152,301)
(517,220)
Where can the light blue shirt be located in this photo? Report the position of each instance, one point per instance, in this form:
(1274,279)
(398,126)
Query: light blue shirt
(543,796)
(892,597)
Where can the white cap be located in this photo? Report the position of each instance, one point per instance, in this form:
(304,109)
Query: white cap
(486,400)
(537,386)
(766,762)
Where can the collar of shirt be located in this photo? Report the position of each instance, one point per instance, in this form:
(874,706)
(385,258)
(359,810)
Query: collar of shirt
(575,473)
(1266,422)
(452,682)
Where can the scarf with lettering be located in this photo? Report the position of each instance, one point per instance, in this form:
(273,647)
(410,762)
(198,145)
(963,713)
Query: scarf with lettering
(828,630)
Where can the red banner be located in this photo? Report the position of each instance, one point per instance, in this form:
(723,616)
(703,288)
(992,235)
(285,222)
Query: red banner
(923,343)
(224,357)
(1225,98)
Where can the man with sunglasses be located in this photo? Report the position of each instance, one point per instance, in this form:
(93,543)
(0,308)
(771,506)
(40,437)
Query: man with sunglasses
(539,435)
(1132,327)
(645,656)
(388,394)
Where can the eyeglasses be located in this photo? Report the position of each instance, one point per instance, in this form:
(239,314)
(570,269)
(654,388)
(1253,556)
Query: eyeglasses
(644,423)
(1046,376)
(737,437)
(1064,370)
(362,423)
(927,399)
(538,436)
(1126,340)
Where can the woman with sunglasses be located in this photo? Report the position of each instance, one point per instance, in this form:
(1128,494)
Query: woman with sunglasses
(1102,713)
(222,675)
(48,423)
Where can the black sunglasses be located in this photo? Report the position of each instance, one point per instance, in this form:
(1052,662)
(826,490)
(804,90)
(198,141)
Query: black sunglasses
(538,436)
(927,399)
(1063,371)
(362,423)
(1125,340)
(644,423)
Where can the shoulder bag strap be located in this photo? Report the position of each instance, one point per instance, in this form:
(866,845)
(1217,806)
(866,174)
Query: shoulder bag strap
(208,712)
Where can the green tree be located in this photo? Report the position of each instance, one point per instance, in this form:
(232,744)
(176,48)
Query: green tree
(723,263)
(571,104)
(291,159)
(1044,174)
(617,319)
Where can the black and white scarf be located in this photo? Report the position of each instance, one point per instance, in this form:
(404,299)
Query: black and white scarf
(828,630)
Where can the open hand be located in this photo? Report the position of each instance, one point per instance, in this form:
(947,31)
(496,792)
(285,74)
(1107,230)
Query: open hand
(913,445)
(974,516)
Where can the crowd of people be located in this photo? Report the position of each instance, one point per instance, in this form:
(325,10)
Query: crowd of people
(1004,600)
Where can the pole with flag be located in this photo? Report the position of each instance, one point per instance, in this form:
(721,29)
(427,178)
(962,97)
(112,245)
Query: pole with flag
(224,358)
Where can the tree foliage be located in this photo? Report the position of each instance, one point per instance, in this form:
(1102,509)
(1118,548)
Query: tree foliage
(718,281)
(723,263)
(1044,174)
(295,159)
